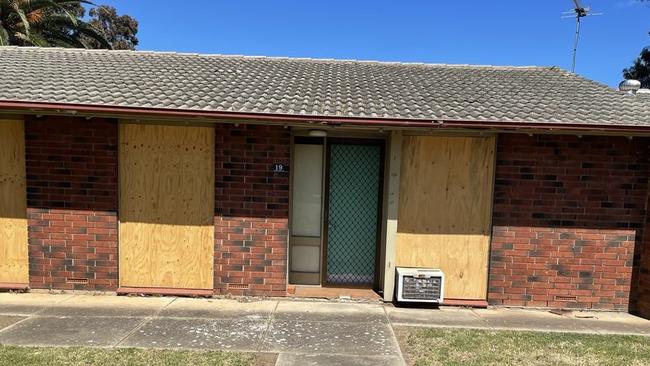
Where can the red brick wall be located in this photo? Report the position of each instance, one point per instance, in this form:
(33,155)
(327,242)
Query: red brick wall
(567,214)
(251,210)
(72,202)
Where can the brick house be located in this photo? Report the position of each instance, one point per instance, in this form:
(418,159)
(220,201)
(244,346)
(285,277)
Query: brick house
(140,172)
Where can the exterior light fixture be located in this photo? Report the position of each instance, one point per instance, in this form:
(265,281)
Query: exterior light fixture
(317,133)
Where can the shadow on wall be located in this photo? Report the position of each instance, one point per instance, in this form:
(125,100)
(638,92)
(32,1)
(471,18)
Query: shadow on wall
(12,170)
(166,206)
(71,166)
(444,210)
(71,163)
(13,223)
(251,210)
(245,185)
(72,193)
(166,175)
(569,219)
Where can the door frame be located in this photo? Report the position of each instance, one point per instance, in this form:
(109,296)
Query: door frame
(381,143)
(304,139)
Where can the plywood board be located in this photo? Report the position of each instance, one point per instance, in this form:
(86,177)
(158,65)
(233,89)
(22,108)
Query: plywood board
(166,206)
(14,266)
(444,212)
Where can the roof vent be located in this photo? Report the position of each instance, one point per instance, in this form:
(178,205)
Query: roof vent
(629,86)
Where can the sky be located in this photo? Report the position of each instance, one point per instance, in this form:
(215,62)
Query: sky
(497,32)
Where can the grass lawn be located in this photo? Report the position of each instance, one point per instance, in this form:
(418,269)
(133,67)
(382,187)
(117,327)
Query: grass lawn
(19,356)
(442,346)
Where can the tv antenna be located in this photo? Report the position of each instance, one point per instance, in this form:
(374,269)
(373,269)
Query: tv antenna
(578,12)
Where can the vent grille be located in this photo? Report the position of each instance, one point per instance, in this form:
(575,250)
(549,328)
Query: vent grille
(566,298)
(421,288)
(420,285)
(237,286)
(81,281)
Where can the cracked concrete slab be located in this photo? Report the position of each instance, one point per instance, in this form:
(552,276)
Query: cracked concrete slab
(217,334)
(331,338)
(68,331)
(328,311)
(435,317)
(108,306)
(286,359)
(7,320)
(616,327)
(29,303)
(219,308)
(516,319)
(609,316)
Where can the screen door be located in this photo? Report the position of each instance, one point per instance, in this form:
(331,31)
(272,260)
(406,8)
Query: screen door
(354,184)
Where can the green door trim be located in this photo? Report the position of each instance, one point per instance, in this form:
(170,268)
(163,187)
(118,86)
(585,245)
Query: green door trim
(380,195)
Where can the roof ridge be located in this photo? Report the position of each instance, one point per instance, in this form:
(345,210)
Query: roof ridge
(591,81)
(307,59)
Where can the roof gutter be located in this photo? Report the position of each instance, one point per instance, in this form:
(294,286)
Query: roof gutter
(21,107)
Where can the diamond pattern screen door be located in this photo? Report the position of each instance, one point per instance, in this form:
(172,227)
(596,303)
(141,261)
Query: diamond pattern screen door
(354,185)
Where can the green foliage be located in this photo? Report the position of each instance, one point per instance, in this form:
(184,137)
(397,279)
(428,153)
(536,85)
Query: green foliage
(61,23)
(119,30)
(640,70)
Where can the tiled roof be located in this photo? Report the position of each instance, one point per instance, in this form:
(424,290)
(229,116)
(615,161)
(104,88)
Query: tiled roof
(311,87)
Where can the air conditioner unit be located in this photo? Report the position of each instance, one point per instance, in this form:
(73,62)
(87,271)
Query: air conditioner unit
(420,285)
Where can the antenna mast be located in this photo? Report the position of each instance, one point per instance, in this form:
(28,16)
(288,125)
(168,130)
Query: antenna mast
(579,12)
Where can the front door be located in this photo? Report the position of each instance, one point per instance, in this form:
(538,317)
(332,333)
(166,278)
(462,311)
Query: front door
(354,185)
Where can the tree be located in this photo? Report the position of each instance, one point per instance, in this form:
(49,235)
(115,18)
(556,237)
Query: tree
(62,23)
(45,23)
(640,70)
(119,30)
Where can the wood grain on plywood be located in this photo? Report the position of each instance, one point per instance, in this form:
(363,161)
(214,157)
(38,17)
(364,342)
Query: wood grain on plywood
(166,206)
(14,266)
(444,210)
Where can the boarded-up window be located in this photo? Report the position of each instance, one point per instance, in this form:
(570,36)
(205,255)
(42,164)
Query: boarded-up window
(166,206)
(444,211)
(14,267)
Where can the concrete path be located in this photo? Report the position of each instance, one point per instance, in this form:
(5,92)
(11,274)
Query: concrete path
(591,322)
(301,332)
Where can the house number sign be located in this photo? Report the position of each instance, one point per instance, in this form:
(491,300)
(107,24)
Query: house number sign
(279,168)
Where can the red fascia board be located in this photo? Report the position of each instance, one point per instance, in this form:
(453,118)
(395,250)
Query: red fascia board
(124,112)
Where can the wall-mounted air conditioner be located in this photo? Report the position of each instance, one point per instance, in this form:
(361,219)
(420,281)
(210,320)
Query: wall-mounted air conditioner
(420,285)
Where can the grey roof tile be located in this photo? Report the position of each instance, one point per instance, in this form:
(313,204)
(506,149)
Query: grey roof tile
(311,87)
